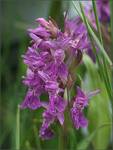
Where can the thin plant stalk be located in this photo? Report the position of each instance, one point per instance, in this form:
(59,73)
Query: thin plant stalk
(100,45)
(97,21)
(70,127)
(104,66)
(103,63)
(61,139)
(93,35)
(28,145)
(18,129)
(37,138)
(111,21)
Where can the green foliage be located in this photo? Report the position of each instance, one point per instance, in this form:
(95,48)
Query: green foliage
(99,112)
(98,76)
(103,59)
(84,144)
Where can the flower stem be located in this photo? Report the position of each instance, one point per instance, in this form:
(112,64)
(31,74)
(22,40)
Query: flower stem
(38,144)
(63,133)
(18,129)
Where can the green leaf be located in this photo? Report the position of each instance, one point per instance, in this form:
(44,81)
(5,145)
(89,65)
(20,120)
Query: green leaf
(97,21)
(98,110)
(86,142)
(111,17)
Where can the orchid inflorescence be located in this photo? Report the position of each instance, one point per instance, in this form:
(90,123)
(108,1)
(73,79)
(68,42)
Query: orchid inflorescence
(52,58)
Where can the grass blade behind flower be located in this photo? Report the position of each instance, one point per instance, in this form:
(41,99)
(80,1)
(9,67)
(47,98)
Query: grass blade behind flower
(102,50)
(104,66)
(97,21)
(18,129)
(103,53)
(111,17)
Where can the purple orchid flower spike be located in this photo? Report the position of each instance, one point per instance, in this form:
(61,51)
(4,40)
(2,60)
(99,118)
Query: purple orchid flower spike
(51,60)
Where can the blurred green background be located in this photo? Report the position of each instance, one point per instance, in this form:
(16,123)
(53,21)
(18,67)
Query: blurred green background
(16,18)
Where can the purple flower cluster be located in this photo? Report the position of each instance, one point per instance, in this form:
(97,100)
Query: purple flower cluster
(49,59)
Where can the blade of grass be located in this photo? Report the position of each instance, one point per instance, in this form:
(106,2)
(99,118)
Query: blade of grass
(107,79)
(97,21)
(102,50)
(102,64)
(105,66)
(18,129)
(101,70)
(111,17)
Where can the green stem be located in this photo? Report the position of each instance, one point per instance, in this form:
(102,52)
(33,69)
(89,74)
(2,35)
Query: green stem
(63,133)
(103,65)
(111,17)
(81,14)
(97,21)
(61,139)
(18,129)
(28,146)
(37,138)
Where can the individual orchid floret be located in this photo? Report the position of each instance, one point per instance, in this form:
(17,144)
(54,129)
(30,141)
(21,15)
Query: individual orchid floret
(40,32)
(31,101)
(50,26)
(55,111)
(45,131)
(80,102)
(42,22)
